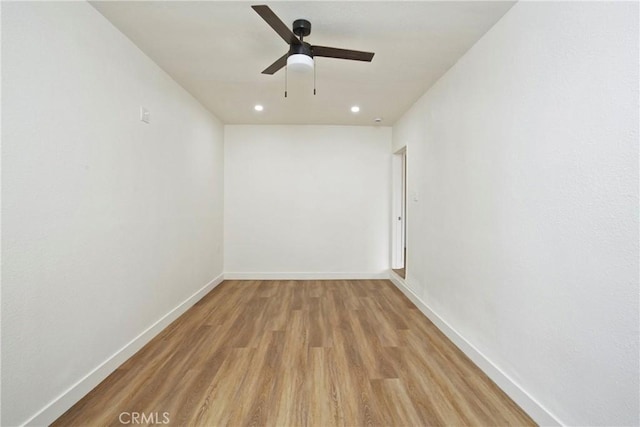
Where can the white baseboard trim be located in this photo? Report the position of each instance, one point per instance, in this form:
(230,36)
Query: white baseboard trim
(71,396)
(305,276)
(530,405)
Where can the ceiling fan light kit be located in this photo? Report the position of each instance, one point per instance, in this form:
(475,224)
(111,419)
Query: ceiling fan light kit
(300,55)
(299,62)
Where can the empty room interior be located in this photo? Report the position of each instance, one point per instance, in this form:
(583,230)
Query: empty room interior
(320,213)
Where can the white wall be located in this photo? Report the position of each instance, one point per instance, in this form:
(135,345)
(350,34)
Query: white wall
(524,237)
(108,223)
(306,201)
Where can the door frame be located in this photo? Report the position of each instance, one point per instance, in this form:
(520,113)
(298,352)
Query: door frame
(398,208)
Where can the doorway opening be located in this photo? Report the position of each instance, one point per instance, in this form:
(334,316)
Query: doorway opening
(399,211)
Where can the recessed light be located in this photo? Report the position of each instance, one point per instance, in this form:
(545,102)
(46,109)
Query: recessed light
(258,107)
(355,109)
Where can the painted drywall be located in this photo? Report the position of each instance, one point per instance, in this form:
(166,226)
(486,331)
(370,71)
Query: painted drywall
(109,223)
(524,236)
(306,201)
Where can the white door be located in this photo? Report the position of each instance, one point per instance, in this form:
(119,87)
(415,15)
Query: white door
(398,170)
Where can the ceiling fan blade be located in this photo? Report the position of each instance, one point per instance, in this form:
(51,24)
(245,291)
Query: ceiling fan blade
(334,52)
(280,62)
(276,23)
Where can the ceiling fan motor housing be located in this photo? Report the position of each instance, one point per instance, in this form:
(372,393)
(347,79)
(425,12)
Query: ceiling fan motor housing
(303,48)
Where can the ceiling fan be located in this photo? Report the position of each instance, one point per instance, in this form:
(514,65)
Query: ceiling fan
(301,53)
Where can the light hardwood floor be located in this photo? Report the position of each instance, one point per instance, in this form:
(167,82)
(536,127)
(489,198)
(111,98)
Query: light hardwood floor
(296,353)
(400,272)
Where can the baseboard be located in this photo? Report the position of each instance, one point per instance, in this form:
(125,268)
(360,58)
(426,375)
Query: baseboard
(305,276)
(66,400)
(535,410)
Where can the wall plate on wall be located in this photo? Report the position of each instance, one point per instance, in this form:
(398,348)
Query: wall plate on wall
(145,115)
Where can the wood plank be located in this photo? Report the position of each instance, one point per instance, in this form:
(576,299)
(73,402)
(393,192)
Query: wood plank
(300,353)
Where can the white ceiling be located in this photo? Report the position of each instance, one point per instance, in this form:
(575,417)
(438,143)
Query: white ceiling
(217,50)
